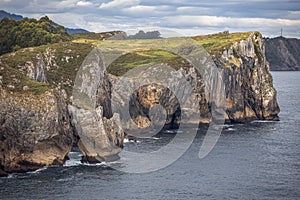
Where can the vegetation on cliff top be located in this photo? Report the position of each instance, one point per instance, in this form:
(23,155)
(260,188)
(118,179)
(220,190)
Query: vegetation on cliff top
(214,44)
(62,60)
(220,41)
(137,58)
(15,82)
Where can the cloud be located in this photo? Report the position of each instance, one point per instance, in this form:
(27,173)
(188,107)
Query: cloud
(217,21)
(184,16)
(119,3)
(147,11)
(84,3)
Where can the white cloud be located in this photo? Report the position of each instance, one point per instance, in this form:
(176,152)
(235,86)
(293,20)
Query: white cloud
(140,9)
(84,3)
(119,3)
(219,21)
(184,16)
(147,11)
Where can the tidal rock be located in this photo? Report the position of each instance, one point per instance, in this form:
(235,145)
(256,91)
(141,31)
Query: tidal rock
(99,129)
(101,139)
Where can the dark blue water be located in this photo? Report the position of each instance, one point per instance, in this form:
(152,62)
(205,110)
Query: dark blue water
(260,160)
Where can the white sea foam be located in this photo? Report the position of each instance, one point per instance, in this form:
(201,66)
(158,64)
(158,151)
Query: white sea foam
(71,163)
(126,140)
(75,159)
(38,170)
(170,131)
(262,121)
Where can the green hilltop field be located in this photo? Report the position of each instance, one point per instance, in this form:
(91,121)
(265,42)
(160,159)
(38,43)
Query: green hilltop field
(63,54)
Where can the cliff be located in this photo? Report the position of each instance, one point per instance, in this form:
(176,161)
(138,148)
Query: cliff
(36,128)
(283,53)
(35,131)
(38,108)
(250,93)
(249,90)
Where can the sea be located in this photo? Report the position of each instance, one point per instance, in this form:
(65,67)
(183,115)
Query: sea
(257,160)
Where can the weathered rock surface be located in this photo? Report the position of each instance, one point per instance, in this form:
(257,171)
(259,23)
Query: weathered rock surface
(100,132)
(38,129)
(249,90)
(283,53)
(250,93)
(101,139)
(35,131)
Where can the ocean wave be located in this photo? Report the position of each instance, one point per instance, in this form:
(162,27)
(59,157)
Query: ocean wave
(38,170)
(262,121)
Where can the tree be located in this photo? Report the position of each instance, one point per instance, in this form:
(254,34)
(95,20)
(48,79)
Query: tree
(29,32)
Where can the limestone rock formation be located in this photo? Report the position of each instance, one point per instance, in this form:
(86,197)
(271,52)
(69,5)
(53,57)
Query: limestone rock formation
(37,128)
(100,132)
(35,131)
(250,93)
(249,90)
(101,139)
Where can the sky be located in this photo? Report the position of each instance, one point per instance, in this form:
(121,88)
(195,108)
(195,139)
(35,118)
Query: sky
(182,17)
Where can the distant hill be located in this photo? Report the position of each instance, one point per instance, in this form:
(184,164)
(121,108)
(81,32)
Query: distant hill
(9,15)
(76,30)
(283,53)
(148,35)
(4,14)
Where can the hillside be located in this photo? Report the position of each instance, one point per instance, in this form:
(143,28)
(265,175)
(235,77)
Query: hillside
(26,32)
(4,14)
(283,54)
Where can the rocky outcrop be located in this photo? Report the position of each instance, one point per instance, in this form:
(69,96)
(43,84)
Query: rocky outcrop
(250,94)
(283,53)
(35,71)
(37,127)
(101,139)
(99,129)
(39,74)
(35,131)
(249,90)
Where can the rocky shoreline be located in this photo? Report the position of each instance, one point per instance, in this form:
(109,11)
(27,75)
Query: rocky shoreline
(39,129)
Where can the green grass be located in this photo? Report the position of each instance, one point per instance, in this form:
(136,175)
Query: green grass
(94,36)
(88,36)
(214,44)
(135,53)
(219,41)
(65,73)
(138,58)
(87,41)
(12,77)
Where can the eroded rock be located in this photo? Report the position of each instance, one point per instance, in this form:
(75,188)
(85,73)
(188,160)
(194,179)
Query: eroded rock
(35,131)
(101,139)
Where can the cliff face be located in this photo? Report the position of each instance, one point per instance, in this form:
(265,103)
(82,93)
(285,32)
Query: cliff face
(38,128)
(249,90)
(250,93)
(100,132)
(283,53)
(35,131)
